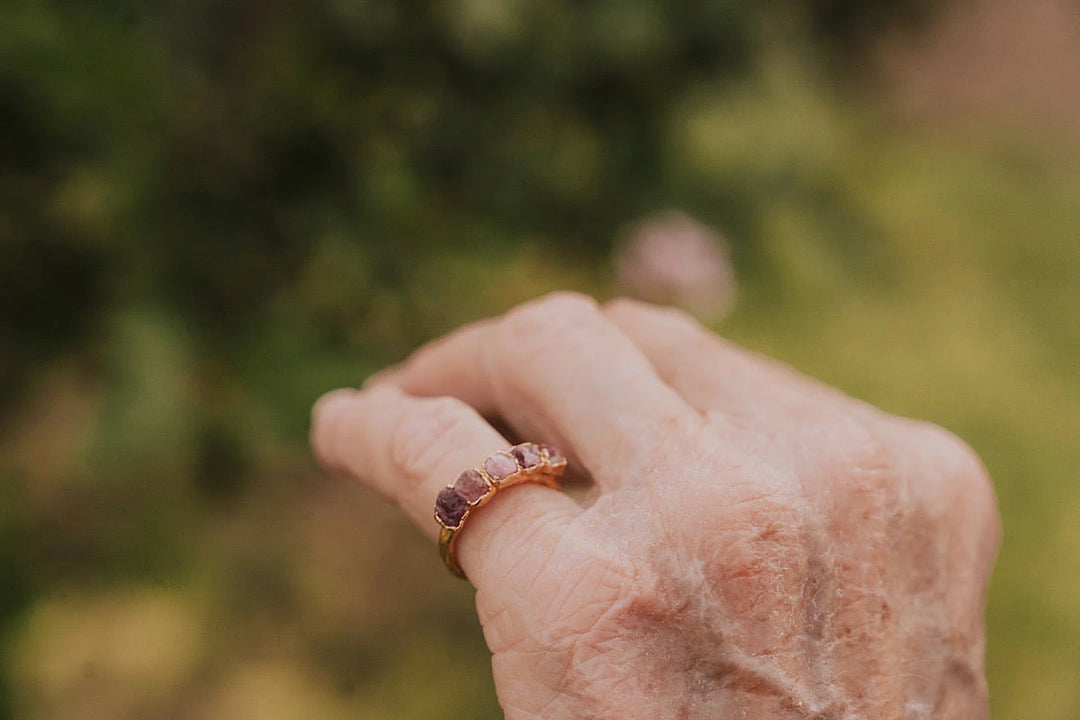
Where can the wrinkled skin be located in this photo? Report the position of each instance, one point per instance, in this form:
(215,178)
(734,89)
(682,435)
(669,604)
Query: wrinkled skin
(754,545)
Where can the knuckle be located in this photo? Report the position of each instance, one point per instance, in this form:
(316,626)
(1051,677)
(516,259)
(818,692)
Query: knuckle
(551,311)
(663,316)
(561,300)
(866,486)
(423,433)
(944,477)
(855,455)
(533,331)
(677,316)
(631,310)
(620,305)
(957,456)
(961,486)
(958,468)
(630,306)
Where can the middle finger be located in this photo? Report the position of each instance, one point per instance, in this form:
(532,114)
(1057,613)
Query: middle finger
(558,369)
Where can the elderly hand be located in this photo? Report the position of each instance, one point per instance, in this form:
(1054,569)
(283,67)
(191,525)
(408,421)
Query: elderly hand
(755,545)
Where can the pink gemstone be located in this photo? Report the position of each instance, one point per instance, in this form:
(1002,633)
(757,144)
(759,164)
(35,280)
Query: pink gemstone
(500,466)
(450,507)
(471,485)
(554,456)
(528,455)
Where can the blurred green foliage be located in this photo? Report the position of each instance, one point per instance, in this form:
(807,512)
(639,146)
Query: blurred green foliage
(212,212)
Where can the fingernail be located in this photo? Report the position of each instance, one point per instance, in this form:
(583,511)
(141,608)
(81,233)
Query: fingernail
(326,408)
(331,403)
(385,375)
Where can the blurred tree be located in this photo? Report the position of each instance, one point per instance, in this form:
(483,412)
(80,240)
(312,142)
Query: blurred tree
(193,154)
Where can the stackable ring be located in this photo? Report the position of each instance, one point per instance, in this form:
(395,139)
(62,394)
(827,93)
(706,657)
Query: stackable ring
(524,463)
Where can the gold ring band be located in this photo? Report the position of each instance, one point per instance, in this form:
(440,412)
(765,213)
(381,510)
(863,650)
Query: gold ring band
(474,488)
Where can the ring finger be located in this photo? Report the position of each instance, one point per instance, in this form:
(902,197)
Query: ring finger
(409,448)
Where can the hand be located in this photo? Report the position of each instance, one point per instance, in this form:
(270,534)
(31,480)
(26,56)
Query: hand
(755,545)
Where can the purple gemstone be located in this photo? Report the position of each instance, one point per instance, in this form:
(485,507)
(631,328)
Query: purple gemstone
(528,455)
(471,485)
(554,456)
(500,466)
(450,507)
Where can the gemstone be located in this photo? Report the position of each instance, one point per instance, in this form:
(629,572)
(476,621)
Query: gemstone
(471,485)
(500,466)
(554,456)
(528,455)
(450,507)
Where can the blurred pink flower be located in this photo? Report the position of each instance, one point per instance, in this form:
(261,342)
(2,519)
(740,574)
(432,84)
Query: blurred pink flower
(671,258)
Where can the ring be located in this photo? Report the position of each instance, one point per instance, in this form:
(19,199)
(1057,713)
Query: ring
(474,488)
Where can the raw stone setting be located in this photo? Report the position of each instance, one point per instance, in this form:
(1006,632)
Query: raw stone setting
(450,507)
(528,455)
(472,486)
(500,466)
(554,456)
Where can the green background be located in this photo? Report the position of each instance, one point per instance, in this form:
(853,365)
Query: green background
(211,212)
